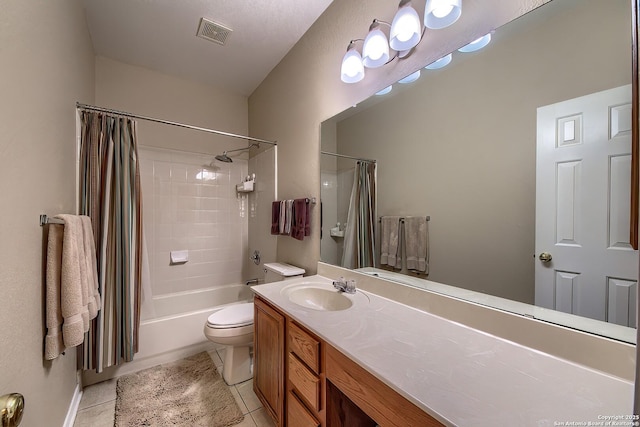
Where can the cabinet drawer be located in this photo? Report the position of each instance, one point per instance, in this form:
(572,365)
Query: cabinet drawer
(305,347)
(297,414)
(306,383)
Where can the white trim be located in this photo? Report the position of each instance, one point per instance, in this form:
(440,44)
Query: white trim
(70,419)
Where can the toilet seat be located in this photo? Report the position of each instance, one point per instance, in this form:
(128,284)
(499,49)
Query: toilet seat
(234,316)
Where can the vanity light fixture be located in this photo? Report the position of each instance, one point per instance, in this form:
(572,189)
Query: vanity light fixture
(406,31)
(477,44)
(352,70)
(441,13)
(410,78)
(375,51)
(440,63)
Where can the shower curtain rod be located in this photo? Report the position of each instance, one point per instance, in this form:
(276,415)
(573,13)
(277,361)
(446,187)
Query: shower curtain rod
(167,122)
(348,157)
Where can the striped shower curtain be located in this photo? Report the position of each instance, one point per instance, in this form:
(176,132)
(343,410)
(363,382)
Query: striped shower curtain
(359,239)
(110,195)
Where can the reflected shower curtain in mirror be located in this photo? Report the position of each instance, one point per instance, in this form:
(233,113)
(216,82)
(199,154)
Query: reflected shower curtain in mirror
(359,241)
(110,195)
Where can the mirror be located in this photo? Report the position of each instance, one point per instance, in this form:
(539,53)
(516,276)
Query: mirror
(460,145)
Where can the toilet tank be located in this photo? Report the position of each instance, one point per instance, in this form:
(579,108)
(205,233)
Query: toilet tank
(276,271)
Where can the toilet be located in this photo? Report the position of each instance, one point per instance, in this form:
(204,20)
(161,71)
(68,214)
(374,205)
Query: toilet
(233,327)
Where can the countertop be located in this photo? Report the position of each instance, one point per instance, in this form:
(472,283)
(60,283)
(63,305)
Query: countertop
(459,375)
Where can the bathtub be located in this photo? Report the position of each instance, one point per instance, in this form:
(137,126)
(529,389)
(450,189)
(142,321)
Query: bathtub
(178,318)
(175,329)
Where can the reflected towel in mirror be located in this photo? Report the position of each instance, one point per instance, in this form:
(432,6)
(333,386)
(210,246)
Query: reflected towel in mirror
(416,243)
(390,253)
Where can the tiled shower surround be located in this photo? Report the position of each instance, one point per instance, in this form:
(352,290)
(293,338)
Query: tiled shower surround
(190,205)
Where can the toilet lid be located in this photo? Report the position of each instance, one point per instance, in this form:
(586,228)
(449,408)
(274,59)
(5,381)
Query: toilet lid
(234,315)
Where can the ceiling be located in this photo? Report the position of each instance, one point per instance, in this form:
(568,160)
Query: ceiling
(161,35)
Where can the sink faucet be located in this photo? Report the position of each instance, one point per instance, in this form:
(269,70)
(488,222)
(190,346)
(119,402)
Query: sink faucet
(345,285)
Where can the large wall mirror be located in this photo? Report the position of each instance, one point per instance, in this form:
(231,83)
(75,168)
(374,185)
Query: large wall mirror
(515,151)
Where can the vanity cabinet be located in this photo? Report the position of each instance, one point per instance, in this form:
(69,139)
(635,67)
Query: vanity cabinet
(287,369)
(304,382)
(268,361)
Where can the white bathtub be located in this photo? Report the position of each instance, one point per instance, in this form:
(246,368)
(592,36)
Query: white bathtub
(180,317)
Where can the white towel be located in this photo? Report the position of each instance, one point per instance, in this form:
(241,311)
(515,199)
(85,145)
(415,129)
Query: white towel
(73,291)
(417,243)
(92,267)
(389,242)
(53,344)
(288,221)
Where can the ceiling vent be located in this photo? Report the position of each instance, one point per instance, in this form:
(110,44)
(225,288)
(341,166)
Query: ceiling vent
(213,31)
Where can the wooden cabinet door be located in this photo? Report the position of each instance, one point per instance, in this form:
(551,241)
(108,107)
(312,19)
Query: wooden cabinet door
(268,362)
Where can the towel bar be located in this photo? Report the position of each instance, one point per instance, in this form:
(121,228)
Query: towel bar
(402,218)
(44,220)
(308,200)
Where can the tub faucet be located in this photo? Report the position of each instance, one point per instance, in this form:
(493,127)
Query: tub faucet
(252,281)
(345,285)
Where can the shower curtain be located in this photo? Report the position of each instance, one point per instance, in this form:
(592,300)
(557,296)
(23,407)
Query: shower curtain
(110,195)
(359,241)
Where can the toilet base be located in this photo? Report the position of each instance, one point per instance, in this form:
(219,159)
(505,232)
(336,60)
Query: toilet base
(236,366)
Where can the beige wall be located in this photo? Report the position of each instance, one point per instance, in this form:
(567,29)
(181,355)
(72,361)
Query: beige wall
(305,89)
(47,65)
(146,92)
(259,212)
(460,144)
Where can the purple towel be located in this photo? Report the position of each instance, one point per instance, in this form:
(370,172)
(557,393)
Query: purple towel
(275,217)
(307,223)
(300,219)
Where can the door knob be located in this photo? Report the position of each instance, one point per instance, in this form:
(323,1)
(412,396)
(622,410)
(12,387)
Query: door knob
(11,407)
(545,257)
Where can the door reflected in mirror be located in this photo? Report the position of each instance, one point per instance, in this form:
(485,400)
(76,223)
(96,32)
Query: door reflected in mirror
(464,145)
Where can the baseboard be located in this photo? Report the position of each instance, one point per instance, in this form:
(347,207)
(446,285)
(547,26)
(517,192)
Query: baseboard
(73,407)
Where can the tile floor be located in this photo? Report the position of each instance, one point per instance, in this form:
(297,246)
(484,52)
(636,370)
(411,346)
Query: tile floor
(97,407)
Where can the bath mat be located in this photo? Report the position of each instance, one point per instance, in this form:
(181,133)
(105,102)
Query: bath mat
(189,392)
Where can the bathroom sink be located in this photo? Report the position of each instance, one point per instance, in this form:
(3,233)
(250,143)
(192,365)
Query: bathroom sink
(317,298)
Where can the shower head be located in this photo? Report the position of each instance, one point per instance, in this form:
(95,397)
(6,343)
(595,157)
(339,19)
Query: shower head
(226,159)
